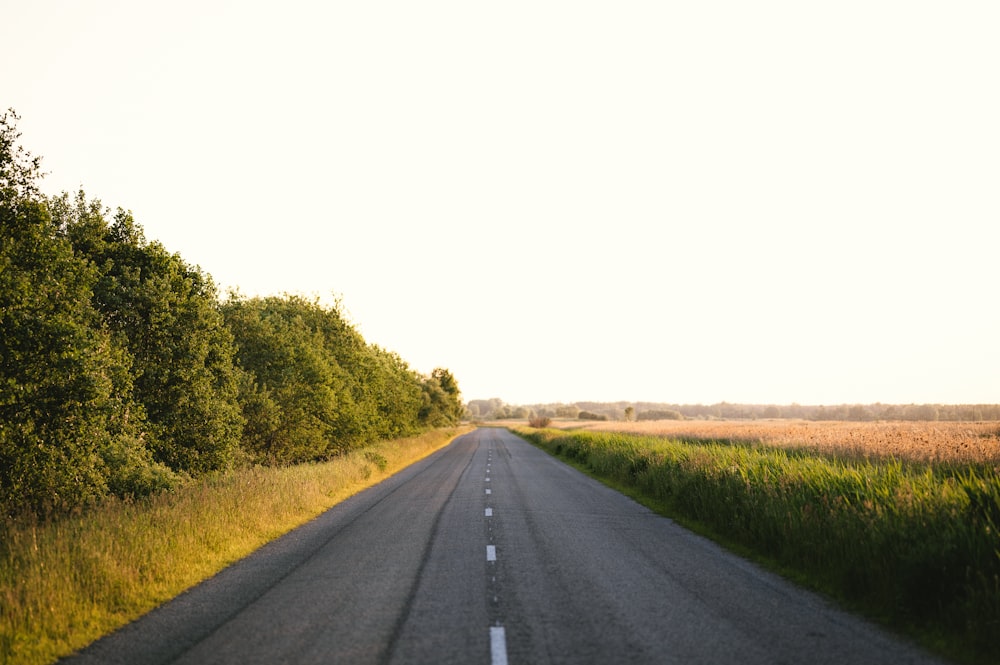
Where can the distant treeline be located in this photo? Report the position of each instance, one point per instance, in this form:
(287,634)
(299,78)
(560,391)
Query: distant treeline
(122,372)
(496,409)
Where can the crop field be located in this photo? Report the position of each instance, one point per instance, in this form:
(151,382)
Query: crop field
(957,442)
(899,520)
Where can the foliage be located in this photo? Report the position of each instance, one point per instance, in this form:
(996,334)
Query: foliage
(539,422)
(442,400)
(312,388)
(294,395)
(119,370)
(164,313)
(914,543)
(493,408)
(65,388)
(590,415)
(19,170)
(57,395)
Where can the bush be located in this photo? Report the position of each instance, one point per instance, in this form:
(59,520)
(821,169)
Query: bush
(539,422)
(132,471)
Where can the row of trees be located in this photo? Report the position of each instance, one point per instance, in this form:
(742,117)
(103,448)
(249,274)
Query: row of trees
(496,409)
(122,371)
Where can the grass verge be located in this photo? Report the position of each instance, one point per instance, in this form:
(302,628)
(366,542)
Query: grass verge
(65,583)
(914,546)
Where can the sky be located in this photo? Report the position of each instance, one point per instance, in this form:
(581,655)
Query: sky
(681,202)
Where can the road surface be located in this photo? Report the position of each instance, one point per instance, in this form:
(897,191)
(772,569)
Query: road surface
(491,551)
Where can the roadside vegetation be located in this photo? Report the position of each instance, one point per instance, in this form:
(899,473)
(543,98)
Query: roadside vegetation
(912,543)
(66,582)
(974,443)
(122,372)
(152,432)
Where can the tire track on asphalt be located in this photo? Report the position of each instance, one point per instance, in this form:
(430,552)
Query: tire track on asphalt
(424,558)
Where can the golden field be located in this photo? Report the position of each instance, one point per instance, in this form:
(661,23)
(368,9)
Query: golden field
(924,441)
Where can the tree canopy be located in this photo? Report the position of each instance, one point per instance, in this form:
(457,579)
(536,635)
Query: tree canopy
(122,371)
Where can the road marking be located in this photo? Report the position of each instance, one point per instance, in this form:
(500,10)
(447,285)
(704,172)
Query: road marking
(488,491)
(491,552)
(498,646)
(487,479)
(489,512)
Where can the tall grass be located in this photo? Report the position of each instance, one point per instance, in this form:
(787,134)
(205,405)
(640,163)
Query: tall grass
(926,441)
(67,582)
(913,544)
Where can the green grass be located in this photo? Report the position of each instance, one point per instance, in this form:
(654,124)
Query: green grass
(67,582)
(915,546)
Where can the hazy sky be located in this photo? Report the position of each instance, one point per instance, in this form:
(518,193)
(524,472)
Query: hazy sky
(576,200)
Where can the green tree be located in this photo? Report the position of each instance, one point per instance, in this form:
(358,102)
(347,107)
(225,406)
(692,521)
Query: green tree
(312,387)
(452,408)
(69,430)
(442,400)
(567,411)
(292,395)
(166,314)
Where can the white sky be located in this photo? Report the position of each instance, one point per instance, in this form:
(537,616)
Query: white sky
(576,200)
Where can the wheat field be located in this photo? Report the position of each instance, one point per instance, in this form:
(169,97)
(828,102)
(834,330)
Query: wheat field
(925,441)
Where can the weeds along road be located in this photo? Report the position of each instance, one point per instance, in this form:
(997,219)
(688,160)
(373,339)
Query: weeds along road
(490,551)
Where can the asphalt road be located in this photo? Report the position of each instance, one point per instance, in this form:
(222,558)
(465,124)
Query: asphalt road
(490,551)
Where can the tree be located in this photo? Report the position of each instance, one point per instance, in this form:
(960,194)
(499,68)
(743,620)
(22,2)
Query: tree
(567,411)
(293,394)
(165,313)
(629,413)
(19,170)
(442,404)
(312,388)
(453,396)
(69,429)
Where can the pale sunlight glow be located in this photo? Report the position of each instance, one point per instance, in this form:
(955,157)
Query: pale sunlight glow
(765,202)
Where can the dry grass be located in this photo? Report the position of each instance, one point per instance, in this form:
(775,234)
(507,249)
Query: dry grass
(65,583)
(949,442)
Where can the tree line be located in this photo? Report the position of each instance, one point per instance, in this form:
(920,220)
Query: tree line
(496,409)
(123,372)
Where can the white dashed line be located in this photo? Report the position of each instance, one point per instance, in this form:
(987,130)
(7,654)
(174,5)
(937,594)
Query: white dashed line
(498,640)
(498,646)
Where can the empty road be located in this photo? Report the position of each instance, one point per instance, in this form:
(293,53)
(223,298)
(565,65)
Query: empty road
(490,551)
